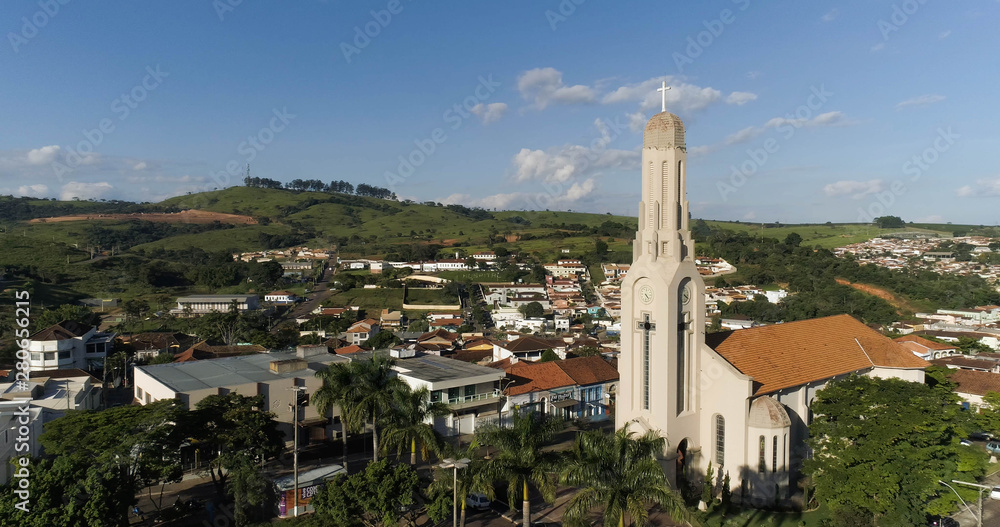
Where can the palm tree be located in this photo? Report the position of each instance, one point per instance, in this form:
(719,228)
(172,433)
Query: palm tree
(619,474)
(337,389)
(519,459)
(407,423)
(373,392)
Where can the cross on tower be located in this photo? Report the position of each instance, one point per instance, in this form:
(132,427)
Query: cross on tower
(663,90)
(646,326)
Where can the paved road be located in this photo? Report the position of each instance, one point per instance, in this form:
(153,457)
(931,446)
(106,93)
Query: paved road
(320,292)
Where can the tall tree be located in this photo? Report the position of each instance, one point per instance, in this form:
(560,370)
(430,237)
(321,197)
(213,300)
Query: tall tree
(520,460)
(374,390)
(338,389)
(407,424)
(238,429)
(881,446)
(370,498)
(620,475)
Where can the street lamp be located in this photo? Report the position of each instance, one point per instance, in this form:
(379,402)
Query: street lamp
(979,518)
(455,465)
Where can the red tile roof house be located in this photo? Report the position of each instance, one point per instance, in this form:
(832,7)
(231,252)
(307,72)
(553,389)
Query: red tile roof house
(926,349)
(362,330)
(575,388)
(974,385)
(528,348)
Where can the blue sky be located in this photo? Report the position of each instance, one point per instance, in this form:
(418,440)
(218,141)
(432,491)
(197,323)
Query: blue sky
(795,111)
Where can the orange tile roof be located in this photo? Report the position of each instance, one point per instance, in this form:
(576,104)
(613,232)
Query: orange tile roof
(536,376)
(588,370)
(353,348)
(795,353)
(929,344)
(976,382)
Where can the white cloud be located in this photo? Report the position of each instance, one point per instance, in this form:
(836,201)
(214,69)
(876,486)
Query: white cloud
(922,100)
(740,98)
(856,189)
(636,121)
(823,119)
(569,162)
(754,74)
(489,113)
(944,35)
(750,216)
(744,135)
(696,151)
(35,191)
(830,15)
(986,187)
(544,86)
(81,190)
(682,96)
(43,155)
(141,165)
(878,47)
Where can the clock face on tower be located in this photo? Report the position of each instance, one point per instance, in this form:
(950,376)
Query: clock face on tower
(686,294)
(646,294)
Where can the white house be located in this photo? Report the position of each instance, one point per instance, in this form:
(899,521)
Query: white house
(69,345)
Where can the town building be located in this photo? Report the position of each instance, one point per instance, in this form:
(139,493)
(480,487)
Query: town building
(69,344)
(204,304)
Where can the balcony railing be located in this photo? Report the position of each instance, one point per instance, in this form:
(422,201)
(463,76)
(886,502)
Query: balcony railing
(495,394)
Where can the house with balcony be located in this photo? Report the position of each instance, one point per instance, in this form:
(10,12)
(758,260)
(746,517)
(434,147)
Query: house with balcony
(69,344)
(470,390)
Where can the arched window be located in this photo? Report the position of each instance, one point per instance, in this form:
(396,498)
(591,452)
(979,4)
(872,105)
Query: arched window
(680,195)
(784,453)
(720,440)
(761,460)
(774,454)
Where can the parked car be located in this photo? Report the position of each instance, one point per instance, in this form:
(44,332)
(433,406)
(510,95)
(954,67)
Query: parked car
(477,501)
(995,493)
(942,521)
(966,442)
(993,447)
(980,436)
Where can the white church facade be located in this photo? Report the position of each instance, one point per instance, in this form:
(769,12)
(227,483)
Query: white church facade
(740,399)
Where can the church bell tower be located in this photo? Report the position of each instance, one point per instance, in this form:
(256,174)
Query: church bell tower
(663,298)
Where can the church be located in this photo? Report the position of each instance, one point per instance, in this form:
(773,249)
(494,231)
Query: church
(738,400)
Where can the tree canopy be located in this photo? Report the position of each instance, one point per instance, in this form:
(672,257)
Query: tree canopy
(881,445)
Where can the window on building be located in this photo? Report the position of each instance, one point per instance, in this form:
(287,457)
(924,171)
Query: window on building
(454,393)
(774,454)
(784,452)
(470,390)
(50,355)
(36,356)
(761,460)
(436,396)
(64,354)
(138,392)
(720,440)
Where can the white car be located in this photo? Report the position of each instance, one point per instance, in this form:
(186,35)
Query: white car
(477,501)
(995,493)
